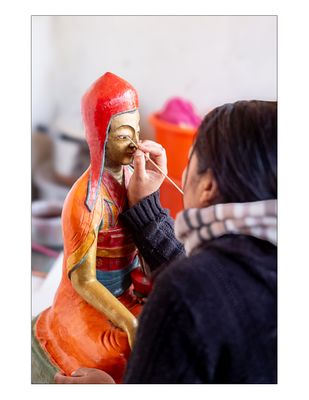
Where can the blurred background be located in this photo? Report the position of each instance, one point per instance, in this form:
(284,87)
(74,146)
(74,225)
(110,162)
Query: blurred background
(181,66)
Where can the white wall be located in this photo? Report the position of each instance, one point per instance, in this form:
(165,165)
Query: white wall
(43,67)
(208,60)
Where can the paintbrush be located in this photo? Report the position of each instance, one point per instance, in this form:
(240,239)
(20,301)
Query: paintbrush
(155,165)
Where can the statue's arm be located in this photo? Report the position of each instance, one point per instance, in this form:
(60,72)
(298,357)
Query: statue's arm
(91,290)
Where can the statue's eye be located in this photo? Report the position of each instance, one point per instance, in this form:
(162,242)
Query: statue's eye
(122,137)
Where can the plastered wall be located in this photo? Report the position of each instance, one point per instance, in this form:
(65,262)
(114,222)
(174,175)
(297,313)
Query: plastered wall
(209,60)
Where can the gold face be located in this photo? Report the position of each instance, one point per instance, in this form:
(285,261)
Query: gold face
(119,149)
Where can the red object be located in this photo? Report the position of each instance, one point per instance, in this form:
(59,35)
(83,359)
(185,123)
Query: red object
(177,142)
(170,197)
(141,283)
(106,98)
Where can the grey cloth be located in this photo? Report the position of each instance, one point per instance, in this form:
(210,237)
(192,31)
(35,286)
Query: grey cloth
(194,226)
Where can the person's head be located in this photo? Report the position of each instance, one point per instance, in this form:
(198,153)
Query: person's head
(119,148)
(234,157)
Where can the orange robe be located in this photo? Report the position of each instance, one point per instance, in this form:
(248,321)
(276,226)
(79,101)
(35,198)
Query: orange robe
(71,332)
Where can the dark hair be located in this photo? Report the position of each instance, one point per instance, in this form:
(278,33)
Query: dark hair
(238,142)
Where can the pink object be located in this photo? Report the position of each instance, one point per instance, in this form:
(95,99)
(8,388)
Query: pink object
(44,250)
(180,112)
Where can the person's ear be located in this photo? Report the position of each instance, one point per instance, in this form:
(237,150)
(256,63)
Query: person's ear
(209,190)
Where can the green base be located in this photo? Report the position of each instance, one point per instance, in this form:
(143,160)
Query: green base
(42,371)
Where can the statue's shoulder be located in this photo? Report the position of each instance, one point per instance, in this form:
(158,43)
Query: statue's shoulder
(75,200)
(77,221)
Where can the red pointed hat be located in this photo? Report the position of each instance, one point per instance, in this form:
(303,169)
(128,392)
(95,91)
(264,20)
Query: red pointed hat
(107,97)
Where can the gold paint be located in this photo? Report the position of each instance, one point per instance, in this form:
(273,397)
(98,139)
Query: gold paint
(116,251)
(91,290)
(82,250)
(119,149)
(78,254)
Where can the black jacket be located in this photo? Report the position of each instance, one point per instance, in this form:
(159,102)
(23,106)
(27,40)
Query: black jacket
(212,317)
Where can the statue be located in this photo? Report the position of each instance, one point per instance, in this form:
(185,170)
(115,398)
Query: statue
(92,321)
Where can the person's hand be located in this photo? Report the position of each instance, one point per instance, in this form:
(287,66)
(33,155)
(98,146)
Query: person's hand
(146,178)
(84,375)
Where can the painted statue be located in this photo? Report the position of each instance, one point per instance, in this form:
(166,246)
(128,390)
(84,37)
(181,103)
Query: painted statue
(92,321)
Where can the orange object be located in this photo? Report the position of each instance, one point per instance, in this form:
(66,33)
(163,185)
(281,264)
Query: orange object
(170,198)
(176,141)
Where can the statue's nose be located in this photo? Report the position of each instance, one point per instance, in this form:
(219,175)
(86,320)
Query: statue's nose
(132,145)
(134,139)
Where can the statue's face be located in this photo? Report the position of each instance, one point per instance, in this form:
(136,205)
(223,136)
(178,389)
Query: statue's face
(119,149)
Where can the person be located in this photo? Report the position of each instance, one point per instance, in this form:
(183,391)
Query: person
(92,321)
(212,314)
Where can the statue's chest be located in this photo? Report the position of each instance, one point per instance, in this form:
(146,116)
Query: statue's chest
(115,246)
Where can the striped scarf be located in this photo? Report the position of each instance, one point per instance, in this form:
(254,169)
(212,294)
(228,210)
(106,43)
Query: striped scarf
(197,225)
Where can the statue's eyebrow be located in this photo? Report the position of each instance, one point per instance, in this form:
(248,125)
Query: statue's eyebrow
(129,126)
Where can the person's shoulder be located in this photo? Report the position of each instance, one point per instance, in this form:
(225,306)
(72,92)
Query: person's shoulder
(188,277)
(217,269)
(185,267)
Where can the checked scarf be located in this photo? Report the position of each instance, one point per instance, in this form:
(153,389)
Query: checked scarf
(197,225)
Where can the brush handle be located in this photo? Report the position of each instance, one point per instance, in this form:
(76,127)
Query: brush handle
(153,163)
(166,176)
